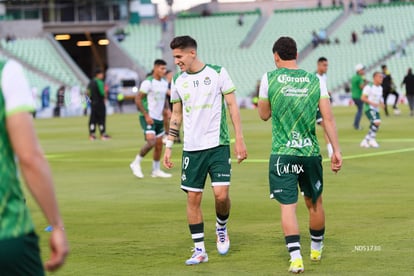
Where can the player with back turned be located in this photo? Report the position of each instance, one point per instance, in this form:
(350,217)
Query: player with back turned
(290,97)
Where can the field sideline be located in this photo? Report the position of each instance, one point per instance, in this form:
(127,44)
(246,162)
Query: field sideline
(120,225)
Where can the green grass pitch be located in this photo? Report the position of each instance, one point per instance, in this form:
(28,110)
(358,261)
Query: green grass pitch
(120,225)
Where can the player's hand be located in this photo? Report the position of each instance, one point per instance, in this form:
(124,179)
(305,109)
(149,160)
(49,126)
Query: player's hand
(149,120)
(167,159)
(240,150)
(59,249)
(336,162)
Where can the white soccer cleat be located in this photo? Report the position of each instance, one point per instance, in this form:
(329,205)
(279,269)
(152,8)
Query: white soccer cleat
(397,111)
(199,256)
(223,241)
(160,173)
(136,170)
(373,143)
(364,144)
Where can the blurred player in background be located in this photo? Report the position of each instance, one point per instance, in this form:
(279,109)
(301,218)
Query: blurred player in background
(19,244)
(321,70)
(290,97)
(97,95)
(409,89)
(151,102)
(388,88)
(372,98)
(358,82)
(198,95)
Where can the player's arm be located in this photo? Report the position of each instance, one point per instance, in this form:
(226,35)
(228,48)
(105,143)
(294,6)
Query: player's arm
(263,105)
(264,109)
(330,129)
(37,176)
(138,102)
(240,146)
(175,125)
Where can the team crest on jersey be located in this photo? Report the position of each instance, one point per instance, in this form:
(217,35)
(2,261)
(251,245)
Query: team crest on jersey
(185,85)
(207,81)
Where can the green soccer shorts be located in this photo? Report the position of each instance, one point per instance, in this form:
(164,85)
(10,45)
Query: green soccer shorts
(285,172)
(373,116)
(197,164)
(157,127)
(21,256)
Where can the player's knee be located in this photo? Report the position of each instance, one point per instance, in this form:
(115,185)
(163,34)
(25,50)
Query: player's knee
(221,197)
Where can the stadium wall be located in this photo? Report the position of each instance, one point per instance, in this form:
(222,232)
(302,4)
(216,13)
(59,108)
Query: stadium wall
(21,28)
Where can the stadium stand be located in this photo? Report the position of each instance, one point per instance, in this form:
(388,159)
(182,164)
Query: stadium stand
(142,43)
(370,49)
(247,65)
(39,53)
(219,38)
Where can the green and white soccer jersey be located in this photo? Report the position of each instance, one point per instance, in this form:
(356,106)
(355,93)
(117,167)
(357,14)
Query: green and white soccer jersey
(15,96)
(204,112)
(156,91)
(374,94)
(294,97)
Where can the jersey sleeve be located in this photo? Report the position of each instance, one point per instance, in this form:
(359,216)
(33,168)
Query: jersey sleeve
(264,88)
(16,90)
(226,83)
(145,87)
(324,89)
(366,90)
(174,97)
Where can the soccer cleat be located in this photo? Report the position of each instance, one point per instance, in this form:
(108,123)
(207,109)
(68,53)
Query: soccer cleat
(105,137)
(199,256)
(373,143)
(223,241)
(136,170)
(296,266)
(316,255)
(397,111)
(92,137)
(364,144)
(160,173)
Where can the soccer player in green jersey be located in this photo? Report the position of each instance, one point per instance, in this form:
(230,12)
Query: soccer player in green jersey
(358,82)
(19,248)
(290,97)
(198,94)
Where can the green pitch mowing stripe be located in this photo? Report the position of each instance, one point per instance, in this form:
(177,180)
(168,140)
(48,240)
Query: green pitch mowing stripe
(64,157)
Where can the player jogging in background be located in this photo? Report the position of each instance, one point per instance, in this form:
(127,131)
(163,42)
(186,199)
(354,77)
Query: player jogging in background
(321,70)
(290,97)
(151,102)
(373,100)
(199,93)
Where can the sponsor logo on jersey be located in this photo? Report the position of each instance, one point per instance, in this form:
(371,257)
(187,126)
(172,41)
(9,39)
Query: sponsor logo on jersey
(185,84)
(290,91)
(285,79)
(282,168)
(207,81)
(298,142)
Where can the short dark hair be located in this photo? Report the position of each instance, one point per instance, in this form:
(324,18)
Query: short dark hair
(376,73)
(322,59)
(183,42)
(160,62)
(286,48)
(383,66)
